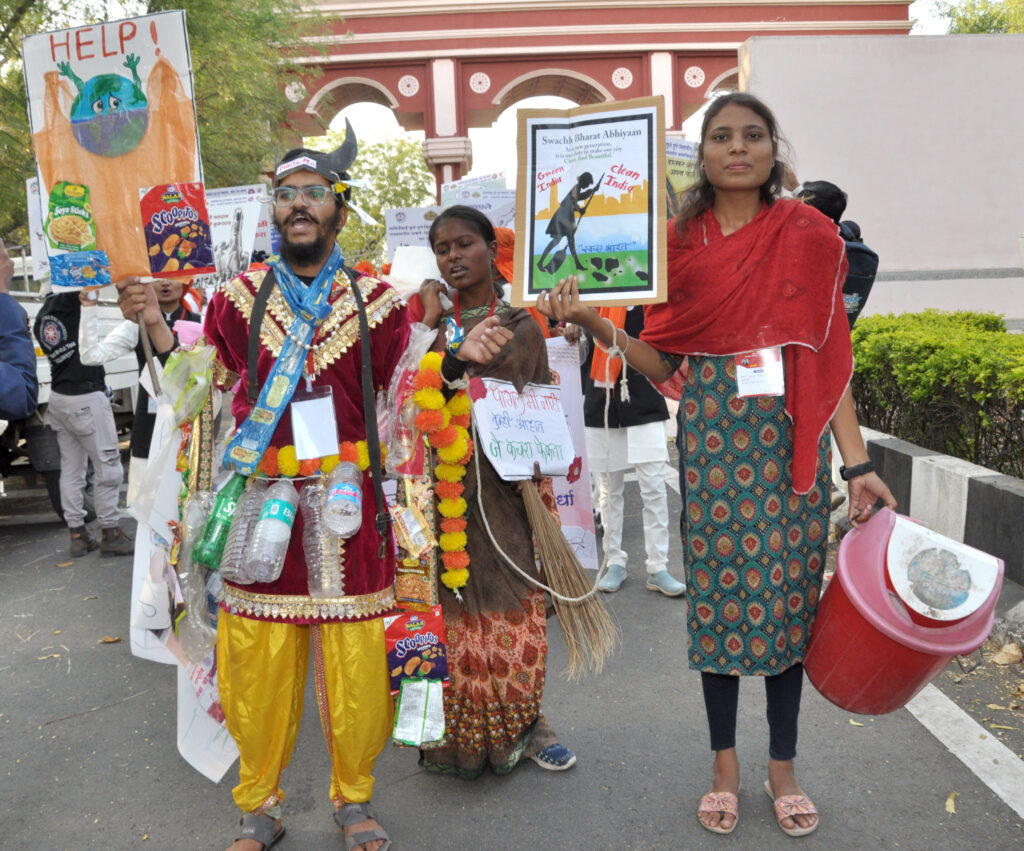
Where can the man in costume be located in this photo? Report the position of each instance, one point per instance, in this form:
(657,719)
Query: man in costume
(308,337)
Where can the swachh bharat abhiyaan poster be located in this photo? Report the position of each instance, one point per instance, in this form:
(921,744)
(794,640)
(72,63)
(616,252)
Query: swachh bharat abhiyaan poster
(592,202)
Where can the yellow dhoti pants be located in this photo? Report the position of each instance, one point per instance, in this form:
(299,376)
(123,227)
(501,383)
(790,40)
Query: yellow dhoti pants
(261,673)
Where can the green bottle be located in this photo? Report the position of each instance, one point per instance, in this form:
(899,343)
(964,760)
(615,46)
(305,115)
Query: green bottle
(209,550)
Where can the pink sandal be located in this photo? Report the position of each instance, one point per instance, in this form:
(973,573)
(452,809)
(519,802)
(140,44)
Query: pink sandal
(787,806)
(720,802)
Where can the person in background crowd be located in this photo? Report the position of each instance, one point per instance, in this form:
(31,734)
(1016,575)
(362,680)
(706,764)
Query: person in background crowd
(19,386)
(124,339)
(79,412)
(862,262)
(751,277)
(635,440)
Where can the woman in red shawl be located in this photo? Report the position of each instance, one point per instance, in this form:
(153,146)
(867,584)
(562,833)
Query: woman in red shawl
(751,277)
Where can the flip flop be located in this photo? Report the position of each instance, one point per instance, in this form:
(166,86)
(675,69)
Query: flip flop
(350,814)
(719,802)
(793,805)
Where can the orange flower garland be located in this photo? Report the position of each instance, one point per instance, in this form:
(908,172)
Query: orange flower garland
(446,425)
(282,461)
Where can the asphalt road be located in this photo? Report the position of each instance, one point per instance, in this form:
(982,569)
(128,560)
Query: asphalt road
(88,743)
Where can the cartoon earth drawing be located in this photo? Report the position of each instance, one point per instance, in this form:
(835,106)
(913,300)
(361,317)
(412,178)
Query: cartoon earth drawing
(110,114)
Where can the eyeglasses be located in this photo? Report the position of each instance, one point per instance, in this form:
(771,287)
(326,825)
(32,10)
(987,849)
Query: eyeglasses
(316,196)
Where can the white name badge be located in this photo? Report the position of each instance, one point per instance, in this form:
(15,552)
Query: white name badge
(314,427)
(759,373)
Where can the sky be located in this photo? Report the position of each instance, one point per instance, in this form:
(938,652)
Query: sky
(494,147)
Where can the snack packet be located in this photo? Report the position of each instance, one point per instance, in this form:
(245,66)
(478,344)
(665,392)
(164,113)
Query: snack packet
(84,269)
(69,222)
(177,229)
(415,647)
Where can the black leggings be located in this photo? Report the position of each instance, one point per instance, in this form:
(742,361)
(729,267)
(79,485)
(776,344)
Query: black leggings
(721,696)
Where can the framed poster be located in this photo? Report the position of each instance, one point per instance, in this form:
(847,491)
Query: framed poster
(591,202)
(111,108)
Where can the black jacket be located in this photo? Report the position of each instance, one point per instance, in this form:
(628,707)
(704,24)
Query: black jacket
(646,405)
(56,329)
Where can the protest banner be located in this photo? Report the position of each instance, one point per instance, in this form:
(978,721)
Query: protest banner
(680,171)
(591,202)
(408,226)
(111,111)
(235,218)
(450,191)
(572,491)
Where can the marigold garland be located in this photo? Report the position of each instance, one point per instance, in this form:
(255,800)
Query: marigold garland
(446,426)
(280,461)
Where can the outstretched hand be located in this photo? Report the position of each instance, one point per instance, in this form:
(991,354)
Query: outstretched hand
(484,341)
(865,491)
(563,303)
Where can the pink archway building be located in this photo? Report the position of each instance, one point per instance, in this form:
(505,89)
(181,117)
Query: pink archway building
(448,65)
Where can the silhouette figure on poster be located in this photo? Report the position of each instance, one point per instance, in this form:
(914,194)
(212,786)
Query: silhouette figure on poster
(564,222)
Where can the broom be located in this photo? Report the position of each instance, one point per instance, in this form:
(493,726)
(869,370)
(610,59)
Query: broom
(591,635)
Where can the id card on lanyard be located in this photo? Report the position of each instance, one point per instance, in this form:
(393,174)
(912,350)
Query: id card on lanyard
(314,426)
(760,373)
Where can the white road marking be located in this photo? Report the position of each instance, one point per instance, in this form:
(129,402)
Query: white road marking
(996,765)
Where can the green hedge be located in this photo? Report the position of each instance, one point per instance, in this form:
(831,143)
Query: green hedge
(952,382)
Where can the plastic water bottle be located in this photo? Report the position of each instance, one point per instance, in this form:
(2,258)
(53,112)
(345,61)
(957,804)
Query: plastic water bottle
(233,566)
(322,548)
(195,632)
(266,551)
(210,547)
(343,509)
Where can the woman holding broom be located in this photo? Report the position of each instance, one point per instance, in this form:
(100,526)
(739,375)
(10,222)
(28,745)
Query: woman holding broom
(494,618)
(752,278)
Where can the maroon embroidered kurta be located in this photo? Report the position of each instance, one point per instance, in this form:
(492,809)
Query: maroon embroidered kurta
(336,363)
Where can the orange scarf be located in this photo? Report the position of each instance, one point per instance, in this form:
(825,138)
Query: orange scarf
(605,370)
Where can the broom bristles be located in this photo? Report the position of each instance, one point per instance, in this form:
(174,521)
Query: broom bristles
(591,635)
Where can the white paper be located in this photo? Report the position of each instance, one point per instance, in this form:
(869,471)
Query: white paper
(204,743)
(517,430)
(144,643)
(412,265)
(420,716)
(314,428)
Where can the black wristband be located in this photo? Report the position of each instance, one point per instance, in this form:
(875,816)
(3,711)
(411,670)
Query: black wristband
(847,473)
(452,369)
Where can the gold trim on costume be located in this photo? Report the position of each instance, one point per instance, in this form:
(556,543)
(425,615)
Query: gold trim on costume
(299,606)
(222,376)
(320,676)
(339,331)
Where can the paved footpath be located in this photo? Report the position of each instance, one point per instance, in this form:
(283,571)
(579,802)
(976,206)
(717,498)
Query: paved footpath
(87,745)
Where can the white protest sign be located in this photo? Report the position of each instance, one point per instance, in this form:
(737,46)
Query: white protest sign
(235,213)
(572,493)
(517,430)
(494,180)
(408,226)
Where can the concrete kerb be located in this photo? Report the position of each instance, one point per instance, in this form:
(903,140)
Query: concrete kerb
(963,501)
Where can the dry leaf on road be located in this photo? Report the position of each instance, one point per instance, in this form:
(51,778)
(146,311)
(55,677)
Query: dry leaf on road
(110,639)
(856,723)
(49,656)
(1008,654)
(951,804)
(65,564)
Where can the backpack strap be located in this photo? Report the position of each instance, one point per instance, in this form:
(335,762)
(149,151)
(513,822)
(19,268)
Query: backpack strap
(259,307)
(370,415)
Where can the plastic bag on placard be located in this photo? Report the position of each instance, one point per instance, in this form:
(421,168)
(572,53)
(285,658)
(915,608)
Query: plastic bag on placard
(406,454)
(186,381)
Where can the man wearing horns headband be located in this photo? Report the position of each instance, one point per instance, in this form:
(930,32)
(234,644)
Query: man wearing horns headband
(306,336)
(266,630)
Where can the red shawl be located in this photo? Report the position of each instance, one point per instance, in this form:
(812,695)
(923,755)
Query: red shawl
(775,282)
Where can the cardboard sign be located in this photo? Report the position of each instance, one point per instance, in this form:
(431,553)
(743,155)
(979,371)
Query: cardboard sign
(111,108)
(517,430)
(591,202)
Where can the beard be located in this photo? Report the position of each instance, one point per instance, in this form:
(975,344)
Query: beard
(309,253)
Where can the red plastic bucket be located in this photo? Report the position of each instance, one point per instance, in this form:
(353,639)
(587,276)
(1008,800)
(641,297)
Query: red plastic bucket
(867,654)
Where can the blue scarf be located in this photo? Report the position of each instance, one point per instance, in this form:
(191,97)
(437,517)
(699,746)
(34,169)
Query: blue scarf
(311,306)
